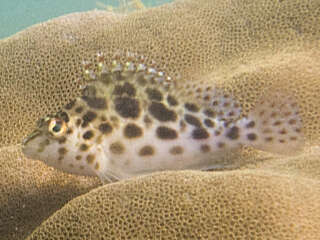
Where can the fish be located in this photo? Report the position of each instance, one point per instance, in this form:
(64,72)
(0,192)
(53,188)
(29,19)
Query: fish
(131,119)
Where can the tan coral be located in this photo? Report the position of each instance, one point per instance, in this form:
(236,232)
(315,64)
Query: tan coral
(30,192)
(192,205)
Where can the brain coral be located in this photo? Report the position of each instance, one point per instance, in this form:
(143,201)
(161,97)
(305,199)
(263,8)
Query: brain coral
(30,192)
(192,205)
(248,47)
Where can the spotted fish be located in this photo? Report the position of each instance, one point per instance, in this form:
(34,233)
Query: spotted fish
(131,119)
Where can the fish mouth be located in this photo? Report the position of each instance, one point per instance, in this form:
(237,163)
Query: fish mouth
(33,135)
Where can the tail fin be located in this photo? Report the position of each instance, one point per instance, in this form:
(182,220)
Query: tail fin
(274,125)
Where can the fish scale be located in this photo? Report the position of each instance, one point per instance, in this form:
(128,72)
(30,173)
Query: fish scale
(132,119)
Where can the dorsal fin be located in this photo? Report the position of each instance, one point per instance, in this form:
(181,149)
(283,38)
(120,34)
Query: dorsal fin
(117,70)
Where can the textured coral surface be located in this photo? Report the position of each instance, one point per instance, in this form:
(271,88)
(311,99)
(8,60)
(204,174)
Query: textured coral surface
(192,205)
(251,48)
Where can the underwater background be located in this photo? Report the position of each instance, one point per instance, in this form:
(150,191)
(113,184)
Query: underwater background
(16,15)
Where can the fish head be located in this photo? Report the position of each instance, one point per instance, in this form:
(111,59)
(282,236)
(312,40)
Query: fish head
(56,141)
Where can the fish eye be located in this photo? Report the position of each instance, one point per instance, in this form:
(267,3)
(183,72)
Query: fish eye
(57,127)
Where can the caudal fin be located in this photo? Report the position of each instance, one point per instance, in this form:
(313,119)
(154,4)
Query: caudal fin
(274,125)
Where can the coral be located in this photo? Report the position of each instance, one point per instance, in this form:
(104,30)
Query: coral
(30,192)
(305,165)
(192,205)
(248,47)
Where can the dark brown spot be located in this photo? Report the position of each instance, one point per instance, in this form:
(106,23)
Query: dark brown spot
(95,102)
(233,133)
(251,124)
(88,117)
(226,104)
(191,107)
(172,101)
(206,98)
(146,151)
(116,148)
(215,103)
(192,120)
(154,94)
(217,133)
(221,145)
(252,136)
(161,113)
(200,133)
(282,141)
(209,113)
(79,109)
(69,131)
(293,138)
(127,107)
(131,130)
(126,88)
(78,157)
(231,114)
(62,140)
(221,113)
(198,90)
(90,158)
(273,114)
(70,105)
(261,113)
(81,167)
(176,150)
(268,139)
(166,133)
(88,134)
(64,116)
(62,151)
(78,122)
(84,147)
(208,123)
(277,123)
(205,148)
(292,121)
(105,128)
(236,105)
(141,80)
(283,131)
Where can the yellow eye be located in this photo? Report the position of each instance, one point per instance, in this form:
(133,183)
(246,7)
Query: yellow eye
(57,127)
